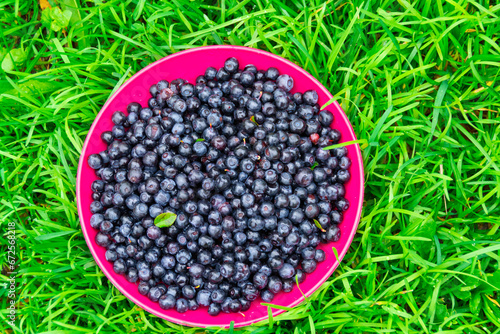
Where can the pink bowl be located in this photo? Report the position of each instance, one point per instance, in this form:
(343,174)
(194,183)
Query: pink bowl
(188,65)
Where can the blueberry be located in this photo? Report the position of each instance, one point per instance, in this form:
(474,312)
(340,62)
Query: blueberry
(242,272)
(119,266)
(298,125)
(309,266)
(210,73)
(311,97)
(181,305)
(203,297)
(234,306)
(192,305)
(227,270)
(272,73)
(135,175)
(247,78)
(111,255)
(173,291)
(132,275)
(95,161)
(304,177)
(342,204)
(153,232)
(96,220)
(336,217)
(140,210)
(276,263)
(188,291)
(319,255)
(287,271)
(218,296)
(153,131)
(285,82)
(169,279)
(326,118)
(143,288)
(231,65)
(222,75)
(288,285)
(187,90)
(275,285)
(214,309)
(102,240)
(253,105)
(250,292)
(167,302)
(267,296)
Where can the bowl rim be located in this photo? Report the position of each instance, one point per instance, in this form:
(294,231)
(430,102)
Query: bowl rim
(111,276)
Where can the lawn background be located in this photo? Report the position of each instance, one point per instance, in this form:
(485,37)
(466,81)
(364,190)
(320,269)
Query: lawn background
(418,80)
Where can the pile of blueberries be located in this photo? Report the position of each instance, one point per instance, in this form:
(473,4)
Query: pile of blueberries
(241,163)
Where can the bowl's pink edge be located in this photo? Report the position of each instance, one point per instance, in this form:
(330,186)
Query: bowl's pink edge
(276,311)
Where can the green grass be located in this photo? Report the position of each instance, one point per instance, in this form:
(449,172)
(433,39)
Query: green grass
(418,80)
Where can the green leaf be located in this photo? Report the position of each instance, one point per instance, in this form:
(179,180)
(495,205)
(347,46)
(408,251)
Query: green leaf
(30,86)
(253,120)
(435,113)
(463,295)
(14,57)
(139,27)
(73,8)
(150,27)
(493,279)
(414,218)
(471,282)
(199,139)
(336,253)
(53,235)
(422,228)
(363,141)
(60,19)
(279,307)
(475,304)
(318,225)
(441,312)
(76,18)
(3,52)
(46,18)
(314,165)
(165,219)
(55,18)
